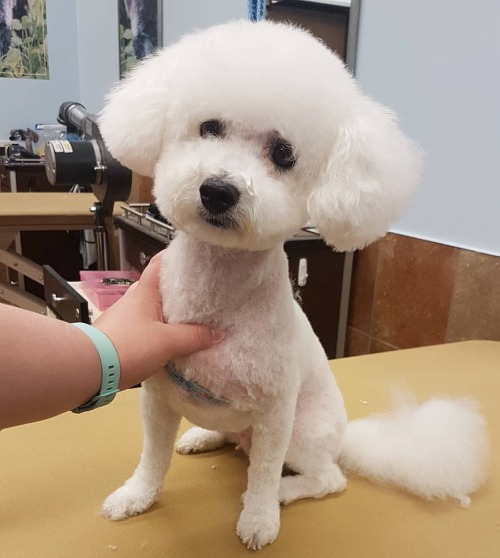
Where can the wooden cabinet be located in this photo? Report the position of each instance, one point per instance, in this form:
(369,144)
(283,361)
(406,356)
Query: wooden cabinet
(59,249)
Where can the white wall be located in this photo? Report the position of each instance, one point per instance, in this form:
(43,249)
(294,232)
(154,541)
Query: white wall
(97,23)
(26,102)
(181,16)
(98,58)
(437,64)
(83,55)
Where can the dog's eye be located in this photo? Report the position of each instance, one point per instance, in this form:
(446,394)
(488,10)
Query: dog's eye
(282,154)
(213,128)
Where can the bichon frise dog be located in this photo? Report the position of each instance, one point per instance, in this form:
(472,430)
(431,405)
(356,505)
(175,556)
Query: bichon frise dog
(252,130)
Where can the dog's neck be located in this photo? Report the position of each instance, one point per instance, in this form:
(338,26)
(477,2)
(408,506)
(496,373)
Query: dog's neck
(203,282)
(245,268)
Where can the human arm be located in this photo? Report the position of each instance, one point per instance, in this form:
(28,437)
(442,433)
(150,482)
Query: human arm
(48,366)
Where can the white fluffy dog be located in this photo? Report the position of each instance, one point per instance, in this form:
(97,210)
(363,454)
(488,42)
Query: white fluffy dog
(250,131)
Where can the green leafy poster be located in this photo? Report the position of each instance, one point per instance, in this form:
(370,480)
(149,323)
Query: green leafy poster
(140,30)
(23,39)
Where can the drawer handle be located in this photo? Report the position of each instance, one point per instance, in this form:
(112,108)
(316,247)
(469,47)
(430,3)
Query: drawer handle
(144,258)
(302,274)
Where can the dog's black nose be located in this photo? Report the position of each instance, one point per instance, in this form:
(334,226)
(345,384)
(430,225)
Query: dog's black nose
(218,195)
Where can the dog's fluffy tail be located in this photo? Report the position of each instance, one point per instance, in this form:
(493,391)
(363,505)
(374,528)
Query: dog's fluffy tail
(436,450)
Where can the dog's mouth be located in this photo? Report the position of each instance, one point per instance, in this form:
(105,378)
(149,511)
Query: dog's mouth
(221,220)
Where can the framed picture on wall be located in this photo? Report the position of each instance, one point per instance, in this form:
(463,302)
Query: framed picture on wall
(23,39)
(140,30)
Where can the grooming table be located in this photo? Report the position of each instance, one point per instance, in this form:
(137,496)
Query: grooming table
(30,211)
(54,475)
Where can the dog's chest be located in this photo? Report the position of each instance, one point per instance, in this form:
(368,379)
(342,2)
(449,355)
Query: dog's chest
(241,294)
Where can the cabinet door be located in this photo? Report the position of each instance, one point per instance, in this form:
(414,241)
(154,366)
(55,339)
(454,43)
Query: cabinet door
(59,249)
(321,294)
(138,248)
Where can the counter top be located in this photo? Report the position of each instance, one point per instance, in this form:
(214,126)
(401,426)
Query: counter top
(55,474)
(46,211)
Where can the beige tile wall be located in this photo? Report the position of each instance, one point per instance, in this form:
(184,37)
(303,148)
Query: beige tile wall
(411,293)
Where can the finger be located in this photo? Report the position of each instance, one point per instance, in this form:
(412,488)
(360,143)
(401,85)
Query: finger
(132,287)
(184,339)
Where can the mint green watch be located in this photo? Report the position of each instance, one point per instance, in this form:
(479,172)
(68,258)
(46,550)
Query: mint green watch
(110,367)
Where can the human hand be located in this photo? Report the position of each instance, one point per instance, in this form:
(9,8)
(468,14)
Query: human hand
(143,341)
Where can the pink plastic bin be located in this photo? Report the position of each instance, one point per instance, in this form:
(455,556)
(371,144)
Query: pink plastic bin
(103,296)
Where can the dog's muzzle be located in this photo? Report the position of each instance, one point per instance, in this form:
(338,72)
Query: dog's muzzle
(218,195)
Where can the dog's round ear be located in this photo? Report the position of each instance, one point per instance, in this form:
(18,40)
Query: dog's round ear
(134,114)
(372,170)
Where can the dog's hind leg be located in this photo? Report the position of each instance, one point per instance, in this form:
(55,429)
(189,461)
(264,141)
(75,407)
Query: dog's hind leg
(313,483)
(198,440)
(315,446)
(160,424)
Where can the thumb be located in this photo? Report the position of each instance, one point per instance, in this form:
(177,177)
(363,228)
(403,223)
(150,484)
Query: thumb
(183,339)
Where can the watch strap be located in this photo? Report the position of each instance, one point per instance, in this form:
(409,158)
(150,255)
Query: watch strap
(110,368)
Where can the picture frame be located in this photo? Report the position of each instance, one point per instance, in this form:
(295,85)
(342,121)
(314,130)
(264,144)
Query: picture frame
(140,30)
(23,39)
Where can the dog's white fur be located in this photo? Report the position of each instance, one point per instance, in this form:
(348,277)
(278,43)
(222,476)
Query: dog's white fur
(354,171)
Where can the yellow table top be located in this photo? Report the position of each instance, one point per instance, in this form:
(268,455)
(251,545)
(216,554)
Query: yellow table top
(32,211)
(54,475)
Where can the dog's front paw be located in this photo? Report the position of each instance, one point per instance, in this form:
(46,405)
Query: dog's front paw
(128,500)
(258,527)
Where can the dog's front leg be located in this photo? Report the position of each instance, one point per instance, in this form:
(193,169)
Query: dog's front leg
(259,521)
(160,425)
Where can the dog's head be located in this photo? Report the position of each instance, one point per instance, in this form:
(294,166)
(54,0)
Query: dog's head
(251,130)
